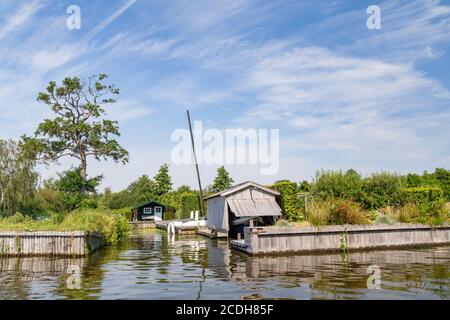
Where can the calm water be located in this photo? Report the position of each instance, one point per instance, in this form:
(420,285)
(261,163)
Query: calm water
(151,266)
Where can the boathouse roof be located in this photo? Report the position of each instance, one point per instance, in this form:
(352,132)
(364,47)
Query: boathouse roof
(242,186)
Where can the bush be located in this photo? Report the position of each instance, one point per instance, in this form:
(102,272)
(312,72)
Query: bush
(382,189)
(430,203)
(337,184)
(189,202)
(290,205)
(318,213)
(335,212)
(124,212)
(346,212)
(119,200)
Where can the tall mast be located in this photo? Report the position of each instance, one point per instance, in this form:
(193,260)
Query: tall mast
(196,164)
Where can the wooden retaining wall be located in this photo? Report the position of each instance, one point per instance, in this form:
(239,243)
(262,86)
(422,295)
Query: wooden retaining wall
(74,243)
(263,240)
(143,224)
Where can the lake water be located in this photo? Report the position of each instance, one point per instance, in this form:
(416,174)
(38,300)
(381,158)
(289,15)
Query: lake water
(150,265)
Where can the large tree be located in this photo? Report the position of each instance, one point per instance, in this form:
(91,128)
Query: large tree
(78,129)
(142,190)
(222,181)
(163,180)
(17,177)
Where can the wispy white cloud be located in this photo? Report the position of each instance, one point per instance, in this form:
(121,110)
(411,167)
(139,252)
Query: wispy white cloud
(106,22)
(19,18)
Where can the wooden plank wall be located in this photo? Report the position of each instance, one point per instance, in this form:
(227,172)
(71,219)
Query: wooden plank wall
(312,239)
(48,243)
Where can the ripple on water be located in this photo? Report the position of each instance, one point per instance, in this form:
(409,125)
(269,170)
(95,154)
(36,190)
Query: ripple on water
(151,266)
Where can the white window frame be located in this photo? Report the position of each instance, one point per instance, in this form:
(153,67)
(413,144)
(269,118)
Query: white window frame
(147,211)
(160,210)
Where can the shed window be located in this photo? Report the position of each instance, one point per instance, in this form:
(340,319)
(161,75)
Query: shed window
(158,210)
(147,210)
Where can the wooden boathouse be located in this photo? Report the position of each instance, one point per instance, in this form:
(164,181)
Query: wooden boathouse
(248,204)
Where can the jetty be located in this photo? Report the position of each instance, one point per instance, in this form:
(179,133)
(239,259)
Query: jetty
(279,240)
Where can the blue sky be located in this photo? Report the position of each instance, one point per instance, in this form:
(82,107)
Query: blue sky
(343,96)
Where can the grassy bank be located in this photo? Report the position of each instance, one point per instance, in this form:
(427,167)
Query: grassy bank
(113,227)
(343,211)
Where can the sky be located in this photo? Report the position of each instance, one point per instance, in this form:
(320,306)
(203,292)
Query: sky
(341,95)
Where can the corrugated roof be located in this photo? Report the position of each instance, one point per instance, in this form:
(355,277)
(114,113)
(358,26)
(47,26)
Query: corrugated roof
(241,186)
(254,208)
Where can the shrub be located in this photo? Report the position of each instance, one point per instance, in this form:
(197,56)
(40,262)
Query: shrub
(189,202)
(318,213)
(337,184)
(124,212)
(382,189)
(346,212)
(119,200)
(408,213)
(290,205)
(430,203)
(334,211)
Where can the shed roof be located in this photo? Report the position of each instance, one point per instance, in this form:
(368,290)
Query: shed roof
(241,186)
(147,203)
(254,208)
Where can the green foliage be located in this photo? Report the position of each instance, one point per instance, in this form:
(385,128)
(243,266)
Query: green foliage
(345,211)
(113,227)
(381,189)
(124,212)
(189,202)
(290,205)
(317,214)
(440,178)
(17,178)
(78,129)
(142,190)
(70,181)
(335,211)
(424,194)
(163,181)
(222,181)
(337,184)
(304,186)
(172,200)
(430,202)
(75,191)
(119,200)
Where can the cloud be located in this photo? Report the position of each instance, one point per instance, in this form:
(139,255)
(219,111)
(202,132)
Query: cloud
(126,109)
(106,22)
(19,18)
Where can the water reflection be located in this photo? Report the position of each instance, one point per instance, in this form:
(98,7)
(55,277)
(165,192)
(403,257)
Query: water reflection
(150,265)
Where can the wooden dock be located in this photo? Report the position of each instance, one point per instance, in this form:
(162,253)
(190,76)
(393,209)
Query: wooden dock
(212,234)
(142,224)
(275,240)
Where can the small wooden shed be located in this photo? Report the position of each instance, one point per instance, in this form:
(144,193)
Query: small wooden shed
(246,204)
(148,211)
